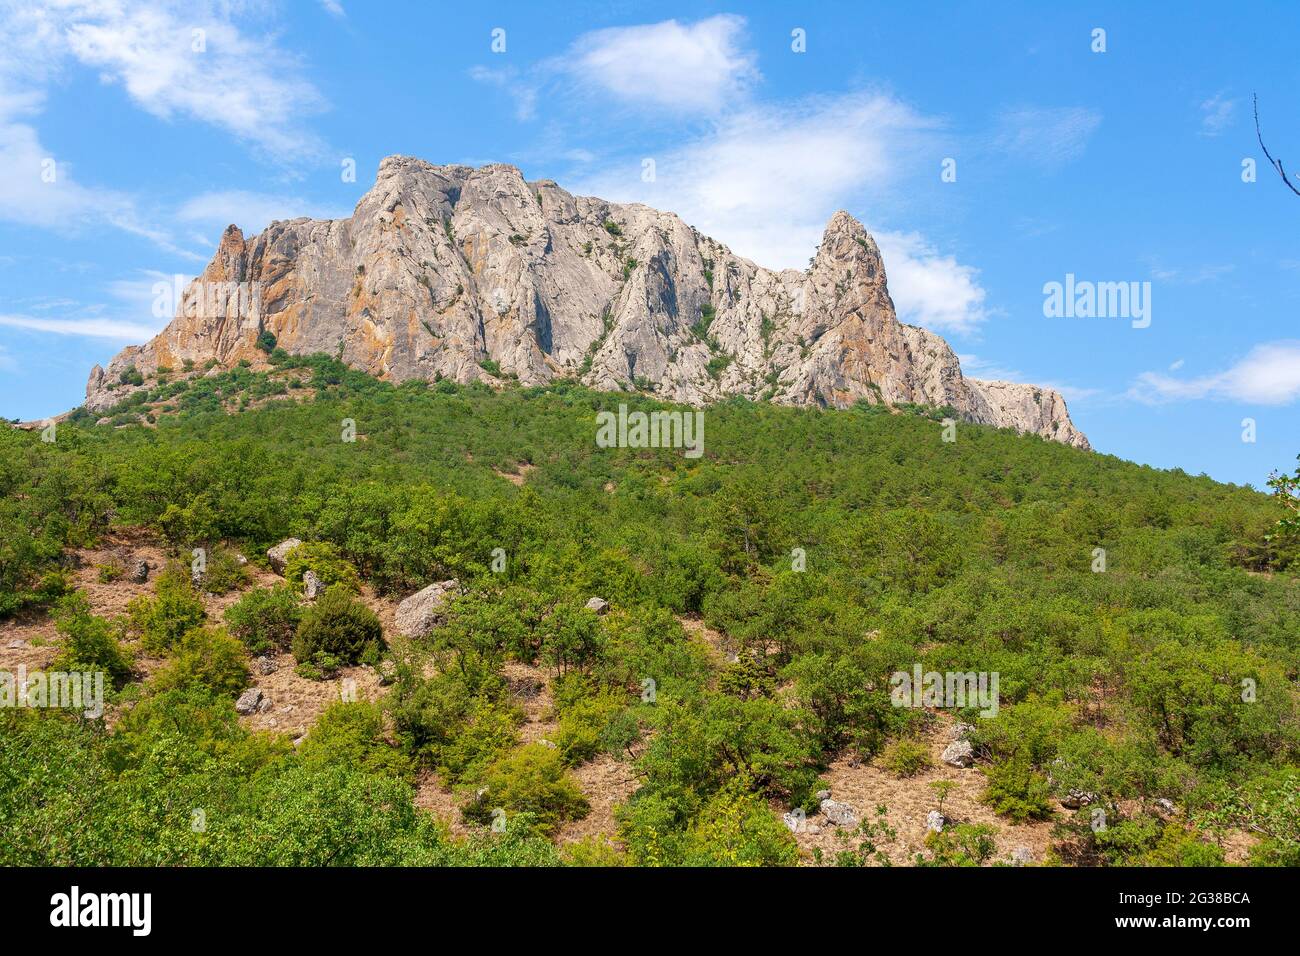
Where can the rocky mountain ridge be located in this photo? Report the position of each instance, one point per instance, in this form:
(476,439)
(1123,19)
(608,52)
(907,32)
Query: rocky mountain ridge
(476,274)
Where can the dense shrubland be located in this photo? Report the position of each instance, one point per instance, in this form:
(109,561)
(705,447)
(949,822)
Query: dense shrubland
(973,556)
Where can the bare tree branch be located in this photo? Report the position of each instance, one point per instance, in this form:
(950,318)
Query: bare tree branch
(1275,163)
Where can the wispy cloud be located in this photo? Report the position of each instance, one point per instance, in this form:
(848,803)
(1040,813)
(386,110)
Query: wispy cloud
(251,211)
(977,367)
(118,330)
(681,67)
(1268,375)
(193,60)
(1217,114)
(1046,136)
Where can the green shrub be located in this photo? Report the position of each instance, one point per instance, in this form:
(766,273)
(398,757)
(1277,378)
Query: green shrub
(530,780)
(338,630)
(456,727)
(351,734)
(90,643)
(265,619)
(592,724)
(966,844)
(222,572)
(324,559)
(161,620)
(206,657)
(1017,791)
(906,758)
(737,828)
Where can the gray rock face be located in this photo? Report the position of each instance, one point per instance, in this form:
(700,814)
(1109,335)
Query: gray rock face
(140,572)
(959,753)
(250,701)
(312,586)
(934,821)
(441,268)
(279,555)
(840,814)
(422,612)
(1074,799)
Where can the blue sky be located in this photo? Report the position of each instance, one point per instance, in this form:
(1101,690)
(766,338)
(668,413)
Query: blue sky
(1115,166)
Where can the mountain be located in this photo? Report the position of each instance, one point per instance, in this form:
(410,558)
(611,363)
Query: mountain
(476,274)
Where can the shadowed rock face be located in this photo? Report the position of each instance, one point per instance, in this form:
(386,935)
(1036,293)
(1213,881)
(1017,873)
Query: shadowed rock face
(441,268)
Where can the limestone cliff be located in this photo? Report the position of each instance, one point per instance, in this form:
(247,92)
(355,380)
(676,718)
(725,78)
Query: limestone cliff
(476,274)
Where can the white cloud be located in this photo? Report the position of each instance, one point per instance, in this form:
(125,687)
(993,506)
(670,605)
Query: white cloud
(1047,136)
(695,67)
(172,59)
(1268,375)
(251,211)
(125,331)
(1217,114)
(930,289)
(333,8)
(766,181)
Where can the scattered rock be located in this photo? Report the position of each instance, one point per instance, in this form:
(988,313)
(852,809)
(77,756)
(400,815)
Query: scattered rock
(312,586)
(279,555)
(240,559)
(422,612)
(16,644)
(959,753)
(960,731)
(140,572)
(840,814)
(1074,799)
(1022,855)
(795,821)
(249,701)
(387,671)
(934,821)
(265,665)
(599,605)
(1166,806)
(265,704)
(823,795)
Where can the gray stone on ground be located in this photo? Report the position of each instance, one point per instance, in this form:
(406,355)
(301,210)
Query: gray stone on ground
(1166,806)
(312,586)
(422,612)
(599,605)
(140,572)
(265,665)
(823,795)
(387,671)
(934,821)
(959,753)
(960,731)
(1074,799)
(279,555)
(249,701)
(1022,855)
(840,814)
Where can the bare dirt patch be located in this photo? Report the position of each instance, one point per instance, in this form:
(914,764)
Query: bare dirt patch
(908,801)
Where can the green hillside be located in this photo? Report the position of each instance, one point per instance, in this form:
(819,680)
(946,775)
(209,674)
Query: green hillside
(1164,668)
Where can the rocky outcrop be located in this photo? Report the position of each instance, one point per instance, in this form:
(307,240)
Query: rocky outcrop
(420,613)
(476,274)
